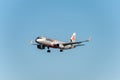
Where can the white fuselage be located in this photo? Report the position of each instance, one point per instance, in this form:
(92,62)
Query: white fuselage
(53,43)
(44,42)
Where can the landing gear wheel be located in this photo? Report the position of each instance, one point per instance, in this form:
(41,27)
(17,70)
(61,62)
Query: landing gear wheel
(61,50)
(48,51)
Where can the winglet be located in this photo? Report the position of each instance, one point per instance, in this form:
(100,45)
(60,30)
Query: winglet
(31,42)
(90,38)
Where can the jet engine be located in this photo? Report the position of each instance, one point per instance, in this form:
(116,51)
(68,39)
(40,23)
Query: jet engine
(56,45)
(40,46)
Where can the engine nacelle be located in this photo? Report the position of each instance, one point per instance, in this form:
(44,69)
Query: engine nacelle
(61,46)
(56,45)
(40,46)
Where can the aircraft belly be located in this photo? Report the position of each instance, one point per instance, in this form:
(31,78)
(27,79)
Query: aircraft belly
(48,43)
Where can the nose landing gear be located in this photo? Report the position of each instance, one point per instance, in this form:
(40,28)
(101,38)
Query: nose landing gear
(48,50)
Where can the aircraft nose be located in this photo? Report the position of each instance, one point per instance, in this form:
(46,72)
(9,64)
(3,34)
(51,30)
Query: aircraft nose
(36,39)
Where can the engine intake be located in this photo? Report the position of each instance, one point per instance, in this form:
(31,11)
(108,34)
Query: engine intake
(40,46)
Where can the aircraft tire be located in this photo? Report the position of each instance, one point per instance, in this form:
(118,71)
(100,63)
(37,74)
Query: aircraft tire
(61,50)
(48,51)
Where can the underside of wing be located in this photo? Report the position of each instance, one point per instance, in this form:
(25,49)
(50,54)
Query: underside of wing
(70,43)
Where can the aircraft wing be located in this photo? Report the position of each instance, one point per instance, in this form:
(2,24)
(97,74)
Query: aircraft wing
(70,43)
(79,42)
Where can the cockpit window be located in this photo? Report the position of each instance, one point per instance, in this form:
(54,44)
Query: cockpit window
(41,38)
(38,38)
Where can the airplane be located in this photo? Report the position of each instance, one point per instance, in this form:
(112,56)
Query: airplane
(43,42)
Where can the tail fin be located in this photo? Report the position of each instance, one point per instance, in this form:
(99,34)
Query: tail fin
(73,37)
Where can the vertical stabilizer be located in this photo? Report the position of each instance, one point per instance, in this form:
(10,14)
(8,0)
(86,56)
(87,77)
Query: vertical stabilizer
(73,37)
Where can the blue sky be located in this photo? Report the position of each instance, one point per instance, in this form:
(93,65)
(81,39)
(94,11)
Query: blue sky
(24,20)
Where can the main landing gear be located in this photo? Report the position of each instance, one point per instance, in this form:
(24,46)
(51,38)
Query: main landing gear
(50,50)
(61,50)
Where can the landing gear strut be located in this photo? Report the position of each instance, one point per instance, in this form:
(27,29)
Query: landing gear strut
(48,50)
